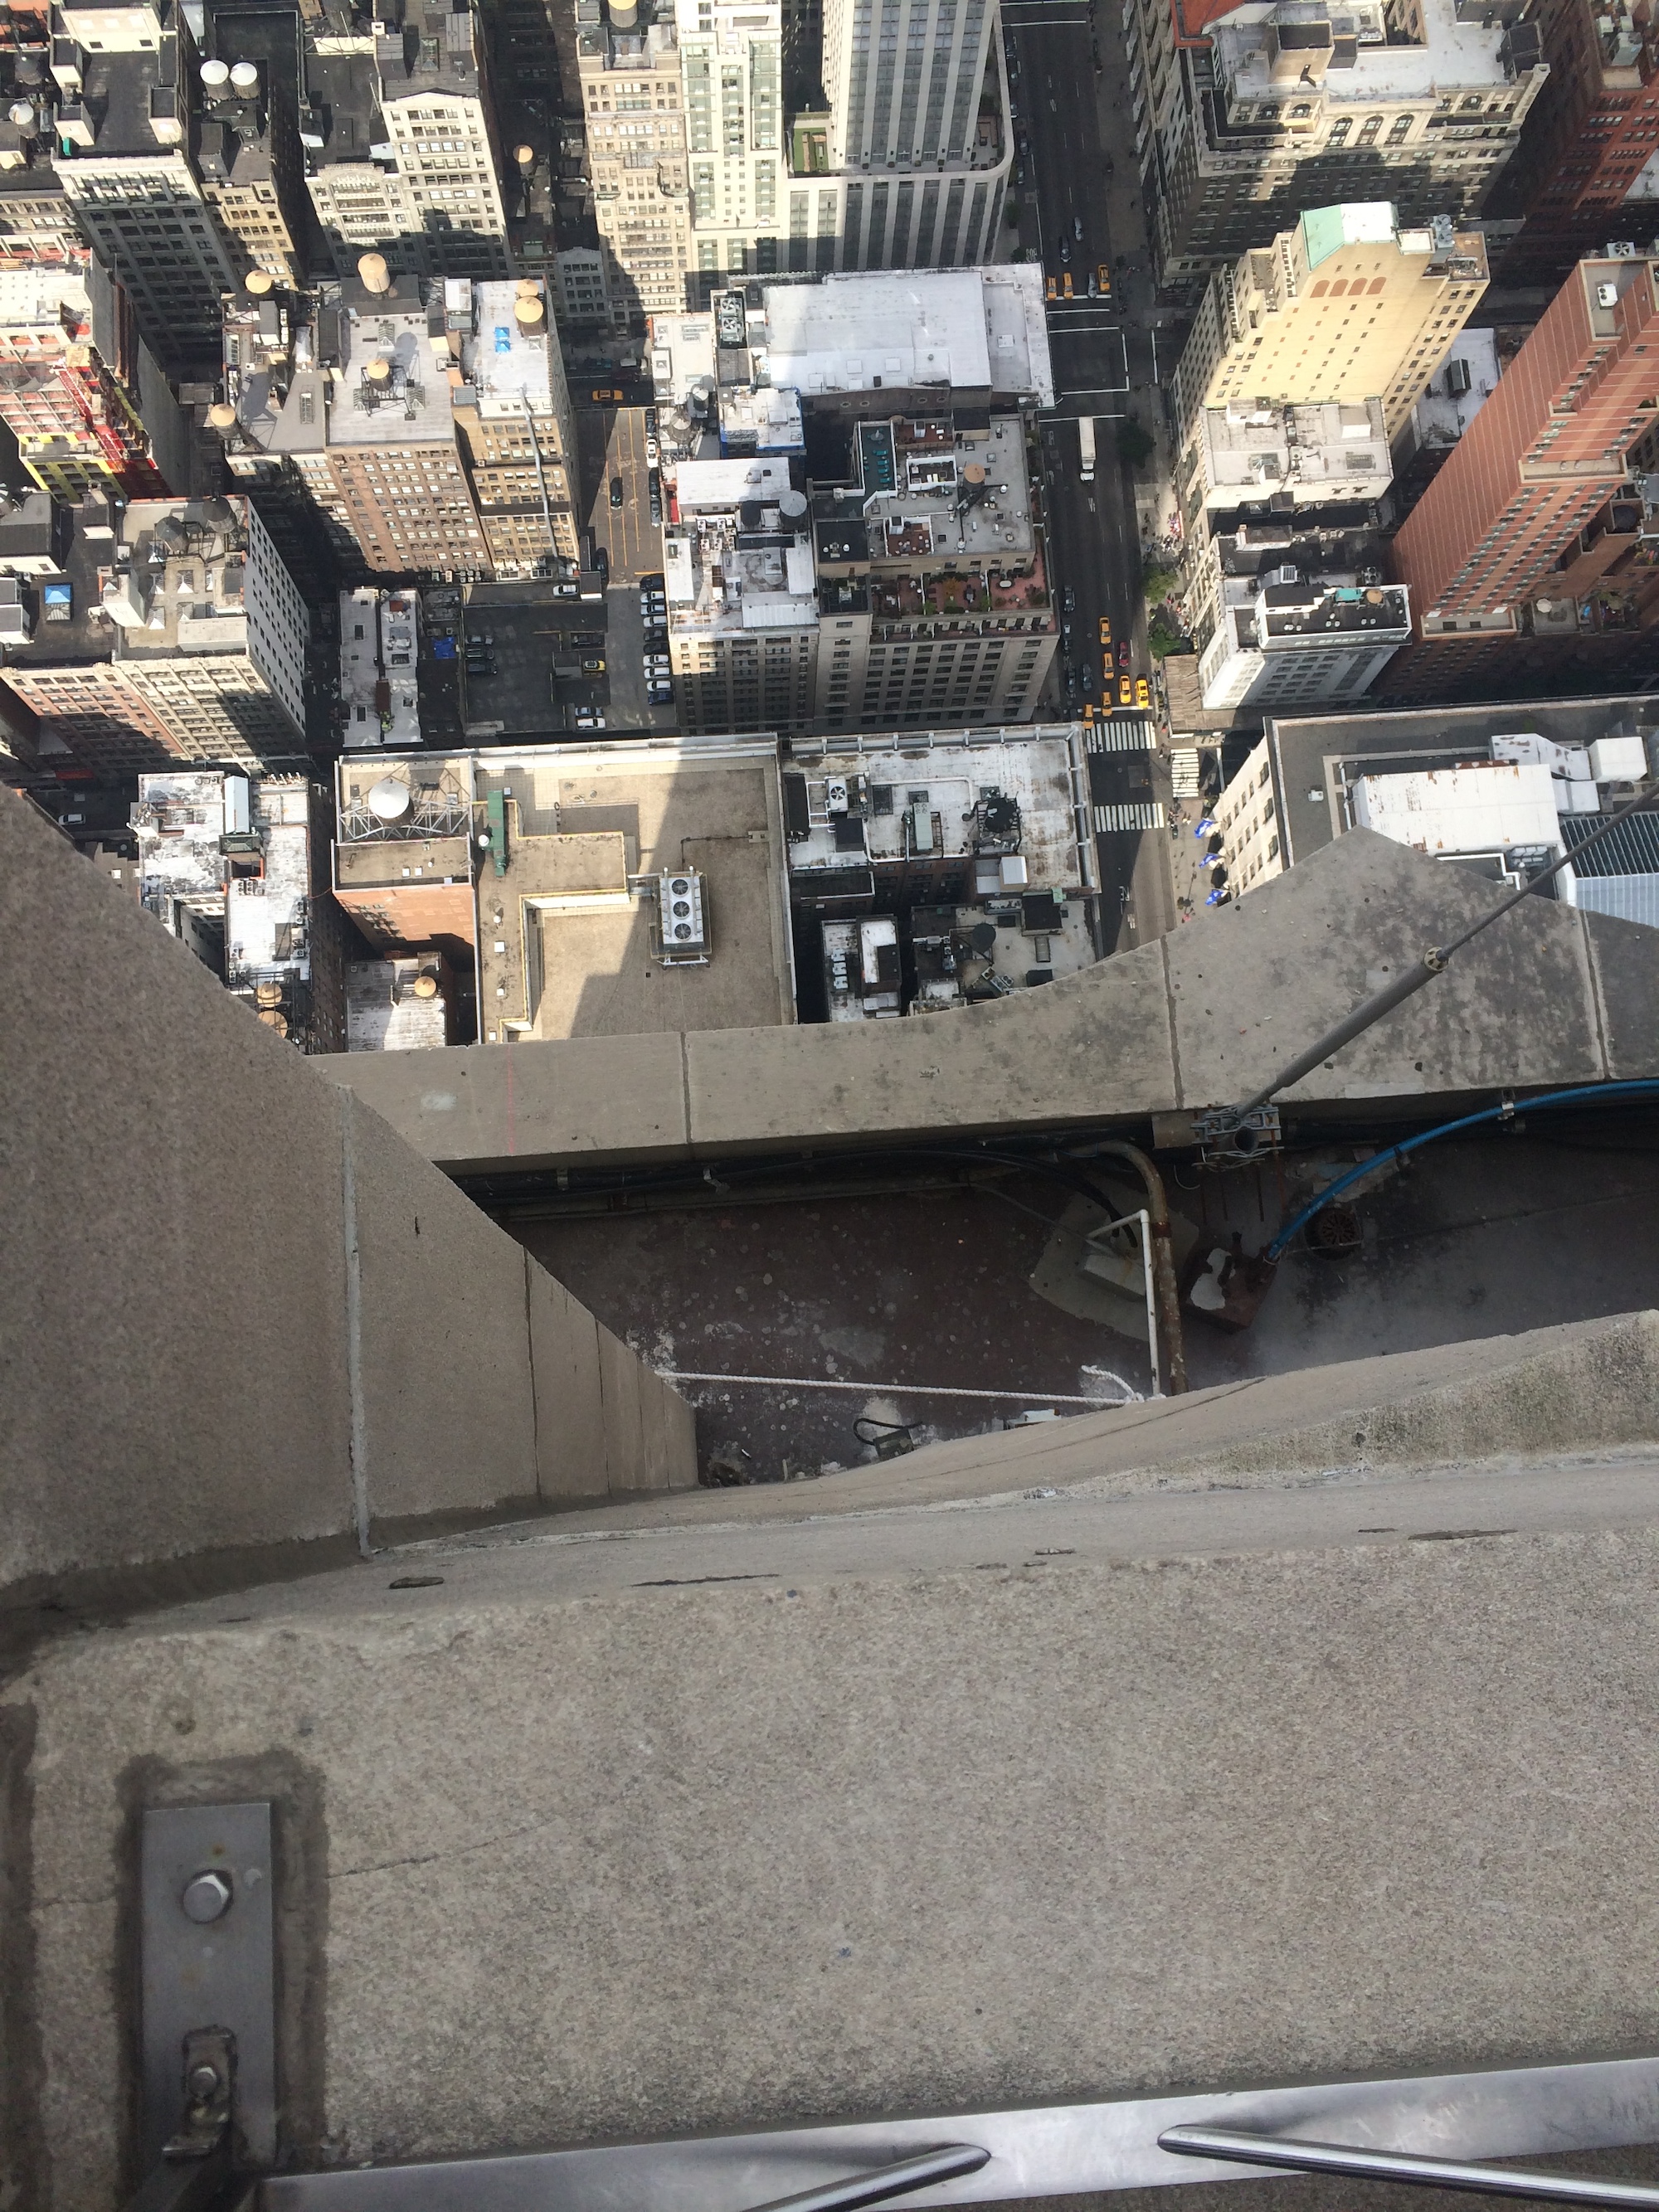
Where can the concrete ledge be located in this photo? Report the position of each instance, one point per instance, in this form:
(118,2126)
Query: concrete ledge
(1550,997)
(239,1314)
(973,1825)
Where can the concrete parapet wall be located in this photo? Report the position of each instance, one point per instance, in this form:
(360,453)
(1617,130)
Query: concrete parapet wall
(912,1812)
(237,1310)
(1550,997)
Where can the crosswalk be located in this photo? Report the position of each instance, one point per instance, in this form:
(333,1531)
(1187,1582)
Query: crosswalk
(1140,814)
(1124,733)
(1184,771)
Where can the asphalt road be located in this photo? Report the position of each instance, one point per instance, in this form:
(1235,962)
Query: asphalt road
(1110,361)
(612,442)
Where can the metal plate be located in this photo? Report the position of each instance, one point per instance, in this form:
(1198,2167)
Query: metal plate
(220,1975)
(1037,2151)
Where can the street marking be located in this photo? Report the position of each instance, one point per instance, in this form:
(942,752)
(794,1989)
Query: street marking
(1184,771)
(1120,736)
(1145,814)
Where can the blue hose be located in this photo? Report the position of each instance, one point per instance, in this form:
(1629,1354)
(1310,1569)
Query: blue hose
(1467,1121)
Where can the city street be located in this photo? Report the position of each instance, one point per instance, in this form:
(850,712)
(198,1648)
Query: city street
(1112,357)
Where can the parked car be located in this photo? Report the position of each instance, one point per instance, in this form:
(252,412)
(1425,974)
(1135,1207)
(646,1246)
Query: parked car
(1068,600)
(1065,286)
(1123,653)
(593,668)
(1088,679)
(1077,226)
(1103,278)
(1053,288)
(605,394)
(1064,249)
(616,491)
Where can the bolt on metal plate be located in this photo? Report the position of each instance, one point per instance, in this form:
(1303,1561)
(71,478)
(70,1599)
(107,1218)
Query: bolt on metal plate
(205,1925)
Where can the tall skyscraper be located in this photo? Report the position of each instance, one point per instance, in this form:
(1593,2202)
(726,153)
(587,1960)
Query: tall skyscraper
(1533,546)
(403,158)
(1345,305)
(1592,134)
(127,137)
(905,168)
(1241,116)
(904,79)
(203,650)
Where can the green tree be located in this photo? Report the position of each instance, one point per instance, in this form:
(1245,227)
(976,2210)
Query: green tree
(1163,638)
(1134,443)
(1159,583)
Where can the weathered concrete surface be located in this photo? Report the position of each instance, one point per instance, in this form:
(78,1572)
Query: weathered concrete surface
(184,1367)
(919,1836)
(1200,1019)
(172,1340)
(448,1411)
(1263,977)
(615,1098)
(1582,1386)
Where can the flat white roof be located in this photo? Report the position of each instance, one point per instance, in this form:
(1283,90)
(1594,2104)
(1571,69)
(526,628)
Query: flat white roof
(1460,810)
(727,483)
(907,327)
(507,364)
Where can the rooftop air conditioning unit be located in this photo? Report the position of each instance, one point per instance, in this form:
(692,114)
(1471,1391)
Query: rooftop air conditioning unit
(1606,295)
(1621,249)
(684,930)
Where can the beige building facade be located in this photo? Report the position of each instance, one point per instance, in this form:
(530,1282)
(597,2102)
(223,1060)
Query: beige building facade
(1345,305)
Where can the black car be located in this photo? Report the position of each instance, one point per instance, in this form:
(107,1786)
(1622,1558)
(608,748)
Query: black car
(1068,600)
(616,491)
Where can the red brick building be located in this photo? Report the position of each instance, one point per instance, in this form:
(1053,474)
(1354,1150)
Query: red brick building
(1591,131)
(1534,549)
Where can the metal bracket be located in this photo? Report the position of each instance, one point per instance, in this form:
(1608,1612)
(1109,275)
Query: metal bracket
(208,1982)
(1223,1134)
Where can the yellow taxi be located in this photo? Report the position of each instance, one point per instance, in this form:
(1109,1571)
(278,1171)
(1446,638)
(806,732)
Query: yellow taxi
(1065,285)
(1126,692)
(1053,288)
(1105,629)
(604,394)
(1143,692)
(1088,710)
(1103,278)
(1105,675)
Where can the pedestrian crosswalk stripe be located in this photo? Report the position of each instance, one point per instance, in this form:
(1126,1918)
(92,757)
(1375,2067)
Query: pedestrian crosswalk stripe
(1140,814)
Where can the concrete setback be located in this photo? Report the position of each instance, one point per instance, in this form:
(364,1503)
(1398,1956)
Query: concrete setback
(1260,980)
(176,1368)
(1088,1046)
(564,1352)
(172,1340)
(448,1404)
(1197,1020)
(494,1106)
(1628,988)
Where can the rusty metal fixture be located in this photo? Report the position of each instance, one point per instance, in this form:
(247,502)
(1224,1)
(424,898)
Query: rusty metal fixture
(1166,1297)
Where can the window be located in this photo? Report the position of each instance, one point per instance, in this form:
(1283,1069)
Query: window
(1369,129)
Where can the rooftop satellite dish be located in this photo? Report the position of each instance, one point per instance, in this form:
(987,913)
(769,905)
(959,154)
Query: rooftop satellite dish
(259,282)
(390,800)
(373,273)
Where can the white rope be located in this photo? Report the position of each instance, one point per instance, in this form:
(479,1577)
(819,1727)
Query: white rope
(909,1389)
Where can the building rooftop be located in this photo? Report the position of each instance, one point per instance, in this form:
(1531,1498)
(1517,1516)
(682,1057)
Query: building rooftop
(1309,454)
(1317,759)
(1006,803)
(235,846)
(1458,389)
(928,490)
(388,389)
(1452,50)
(430,46)
(737,550)
(972,330)
(343,121)
(178,584)
(379,663)
(507,365)
(568,919)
